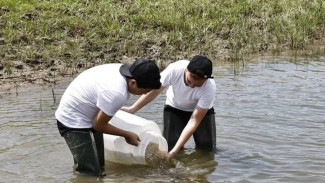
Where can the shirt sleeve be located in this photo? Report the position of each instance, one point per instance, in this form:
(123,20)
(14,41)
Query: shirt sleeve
(206,101)
(110,102)
(167,76)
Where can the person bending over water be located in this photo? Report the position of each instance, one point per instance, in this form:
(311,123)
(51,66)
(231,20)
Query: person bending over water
(189,104)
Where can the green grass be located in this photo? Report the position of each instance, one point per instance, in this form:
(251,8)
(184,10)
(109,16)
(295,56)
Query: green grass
(100,31)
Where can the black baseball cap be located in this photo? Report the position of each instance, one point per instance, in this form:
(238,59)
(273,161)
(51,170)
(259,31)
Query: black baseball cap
(144,71)
(200,66)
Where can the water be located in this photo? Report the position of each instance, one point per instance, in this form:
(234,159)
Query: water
(270,128)
(156,158)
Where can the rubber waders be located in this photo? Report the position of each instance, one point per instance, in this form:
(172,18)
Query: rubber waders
(87,149)
(175,122)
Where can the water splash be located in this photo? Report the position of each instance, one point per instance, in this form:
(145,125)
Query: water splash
(156,158)
(159,161)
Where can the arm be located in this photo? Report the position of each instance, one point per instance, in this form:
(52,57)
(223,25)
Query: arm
(100,123)
(189,129)
(143,100)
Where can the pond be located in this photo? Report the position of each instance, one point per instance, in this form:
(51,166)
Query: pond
(270,128)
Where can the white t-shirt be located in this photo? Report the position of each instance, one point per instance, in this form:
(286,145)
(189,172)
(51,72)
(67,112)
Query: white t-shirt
(101,87)
(184,97)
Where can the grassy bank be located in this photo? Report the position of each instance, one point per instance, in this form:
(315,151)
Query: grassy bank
(74,34)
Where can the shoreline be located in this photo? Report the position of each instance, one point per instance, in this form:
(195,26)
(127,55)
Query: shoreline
(14,84)
(27,75)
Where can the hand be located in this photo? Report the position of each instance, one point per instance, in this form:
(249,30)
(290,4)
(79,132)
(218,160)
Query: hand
(128,109)
(132,139)
(171,161)
(171,154)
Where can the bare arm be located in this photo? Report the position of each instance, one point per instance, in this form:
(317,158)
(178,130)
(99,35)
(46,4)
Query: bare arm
(100,123)
(143,100)
(189,129)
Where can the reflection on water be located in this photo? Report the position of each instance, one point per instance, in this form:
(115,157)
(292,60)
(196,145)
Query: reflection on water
(270,128)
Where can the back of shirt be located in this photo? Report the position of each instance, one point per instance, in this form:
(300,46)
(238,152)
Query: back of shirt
(98,88)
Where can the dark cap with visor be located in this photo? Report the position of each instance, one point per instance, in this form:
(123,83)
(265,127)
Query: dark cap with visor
(200,66)
(144,71)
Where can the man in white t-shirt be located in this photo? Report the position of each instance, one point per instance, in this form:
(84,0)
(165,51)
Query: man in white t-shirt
(189,104)
(90,102)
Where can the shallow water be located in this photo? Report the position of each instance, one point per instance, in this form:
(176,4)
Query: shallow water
(270,128)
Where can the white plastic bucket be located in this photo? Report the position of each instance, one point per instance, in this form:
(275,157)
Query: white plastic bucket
(119,151)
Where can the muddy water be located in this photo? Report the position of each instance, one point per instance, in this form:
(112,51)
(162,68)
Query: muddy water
(270,128)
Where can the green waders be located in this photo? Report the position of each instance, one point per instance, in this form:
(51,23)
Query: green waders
(87,148)
(175,121)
